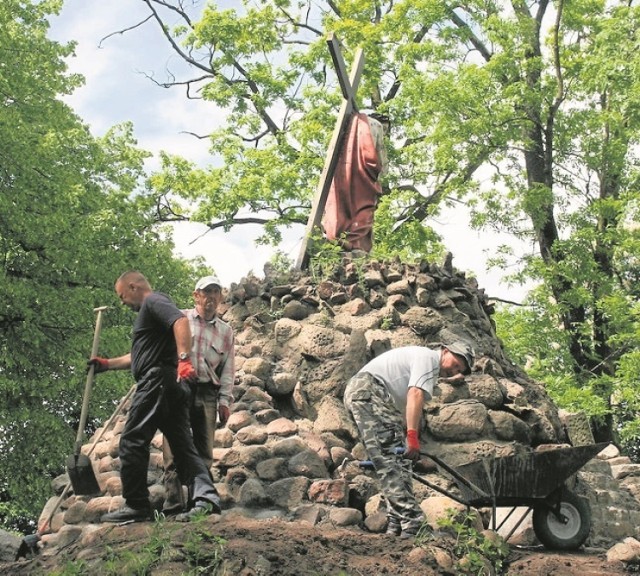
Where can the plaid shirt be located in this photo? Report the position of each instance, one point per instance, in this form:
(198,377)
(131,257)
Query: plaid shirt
(213,353)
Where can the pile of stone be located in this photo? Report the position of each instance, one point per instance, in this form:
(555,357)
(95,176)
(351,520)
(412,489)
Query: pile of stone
(289,447)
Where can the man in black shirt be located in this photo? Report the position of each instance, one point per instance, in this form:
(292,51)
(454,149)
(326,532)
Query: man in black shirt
(160,363)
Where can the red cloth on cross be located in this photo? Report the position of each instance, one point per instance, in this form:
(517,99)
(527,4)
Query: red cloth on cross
(354,192)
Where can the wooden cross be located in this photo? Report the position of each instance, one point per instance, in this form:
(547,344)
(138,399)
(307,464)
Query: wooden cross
(349,87)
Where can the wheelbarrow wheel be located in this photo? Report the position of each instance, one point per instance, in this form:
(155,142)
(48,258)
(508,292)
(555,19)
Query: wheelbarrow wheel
(570,530)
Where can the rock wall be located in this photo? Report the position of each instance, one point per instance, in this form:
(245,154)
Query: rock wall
(289,447)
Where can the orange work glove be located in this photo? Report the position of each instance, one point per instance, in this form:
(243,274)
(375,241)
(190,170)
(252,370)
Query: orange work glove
(99,364)
(186,371)
(413,445)
(223,414)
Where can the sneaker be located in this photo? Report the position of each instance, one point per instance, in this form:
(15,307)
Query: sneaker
(127,514)
(393,527)
(202,508)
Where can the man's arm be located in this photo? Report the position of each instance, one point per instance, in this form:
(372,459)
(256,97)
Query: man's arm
(103,364)
(182,334)
(415,402)
(120,363)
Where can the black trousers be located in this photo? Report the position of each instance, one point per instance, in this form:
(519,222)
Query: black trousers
(160,402)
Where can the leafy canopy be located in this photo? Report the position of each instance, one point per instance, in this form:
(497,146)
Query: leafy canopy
(71,221)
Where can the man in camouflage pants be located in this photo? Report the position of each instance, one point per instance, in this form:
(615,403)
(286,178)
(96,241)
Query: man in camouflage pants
(385,398)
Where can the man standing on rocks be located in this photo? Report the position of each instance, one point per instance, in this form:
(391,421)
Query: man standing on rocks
(385,398)
(213,356)
(161,365)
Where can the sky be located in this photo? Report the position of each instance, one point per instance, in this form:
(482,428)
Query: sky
(117,70)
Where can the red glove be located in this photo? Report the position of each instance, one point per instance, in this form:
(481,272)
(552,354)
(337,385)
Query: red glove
(99,364)
(223,414)
(413,445)
(186,371)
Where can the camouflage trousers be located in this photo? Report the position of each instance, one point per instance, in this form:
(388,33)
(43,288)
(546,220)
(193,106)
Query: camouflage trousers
(381,429)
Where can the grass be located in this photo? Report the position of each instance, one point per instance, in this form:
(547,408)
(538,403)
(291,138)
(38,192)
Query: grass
(198,550)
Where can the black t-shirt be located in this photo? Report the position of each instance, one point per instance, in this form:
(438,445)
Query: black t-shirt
(153,341)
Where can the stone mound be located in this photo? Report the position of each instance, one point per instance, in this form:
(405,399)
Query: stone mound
(289,448)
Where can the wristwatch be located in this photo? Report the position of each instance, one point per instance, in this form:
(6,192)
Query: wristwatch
(183,356)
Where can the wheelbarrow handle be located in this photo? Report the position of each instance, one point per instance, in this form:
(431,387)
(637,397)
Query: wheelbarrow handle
(459,477)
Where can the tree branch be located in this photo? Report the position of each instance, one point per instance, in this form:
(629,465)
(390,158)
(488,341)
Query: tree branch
(475,41)
(124,30)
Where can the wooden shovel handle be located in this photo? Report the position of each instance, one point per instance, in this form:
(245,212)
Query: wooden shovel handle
(89,383)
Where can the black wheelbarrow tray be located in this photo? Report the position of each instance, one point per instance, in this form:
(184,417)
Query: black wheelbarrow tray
(536,480)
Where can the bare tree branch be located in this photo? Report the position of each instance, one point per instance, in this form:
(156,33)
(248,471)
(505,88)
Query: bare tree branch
(198,136)
(124,30)
(507,301)
(165,30)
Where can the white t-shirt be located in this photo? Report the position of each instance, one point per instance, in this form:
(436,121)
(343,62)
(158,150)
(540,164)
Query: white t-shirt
(401,368)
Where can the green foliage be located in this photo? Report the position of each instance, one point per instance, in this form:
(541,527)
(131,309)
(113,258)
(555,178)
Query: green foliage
(280,268)
(136,560)
(203,550)
(268,71)
(199,550)
(387,323)
(71,221)
(472,548)
(325,259)
(74,568)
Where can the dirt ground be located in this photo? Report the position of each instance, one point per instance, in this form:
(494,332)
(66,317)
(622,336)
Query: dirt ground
(238,546)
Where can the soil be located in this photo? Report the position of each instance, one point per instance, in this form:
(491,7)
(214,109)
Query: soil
(240,546)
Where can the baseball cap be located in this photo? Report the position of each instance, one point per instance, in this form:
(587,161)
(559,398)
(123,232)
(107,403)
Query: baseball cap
(463,349)
(207,281)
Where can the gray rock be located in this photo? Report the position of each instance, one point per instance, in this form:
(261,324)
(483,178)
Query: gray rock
(253,494)
(252,435)
(463,420)
(345,516)
(282,384)
(308,464)
(288,493)
(9,545)
(272,469)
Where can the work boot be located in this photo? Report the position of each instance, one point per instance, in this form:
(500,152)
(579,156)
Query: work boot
(201,508)
(393,527)
(127,514)
(174,493)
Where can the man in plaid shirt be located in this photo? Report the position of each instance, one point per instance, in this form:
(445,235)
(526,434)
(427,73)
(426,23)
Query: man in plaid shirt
(212,355)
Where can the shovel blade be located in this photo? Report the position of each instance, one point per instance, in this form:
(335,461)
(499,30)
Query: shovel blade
(81,474)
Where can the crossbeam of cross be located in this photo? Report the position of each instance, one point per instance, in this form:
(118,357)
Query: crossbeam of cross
(349,86)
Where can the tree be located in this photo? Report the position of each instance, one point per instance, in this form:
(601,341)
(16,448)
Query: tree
(525,111)
(70,223)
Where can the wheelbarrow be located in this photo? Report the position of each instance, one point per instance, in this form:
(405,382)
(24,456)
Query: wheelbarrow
(536,480)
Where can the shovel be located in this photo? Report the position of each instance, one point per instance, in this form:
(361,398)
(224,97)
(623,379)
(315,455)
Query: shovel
(81,474)
(45,527)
